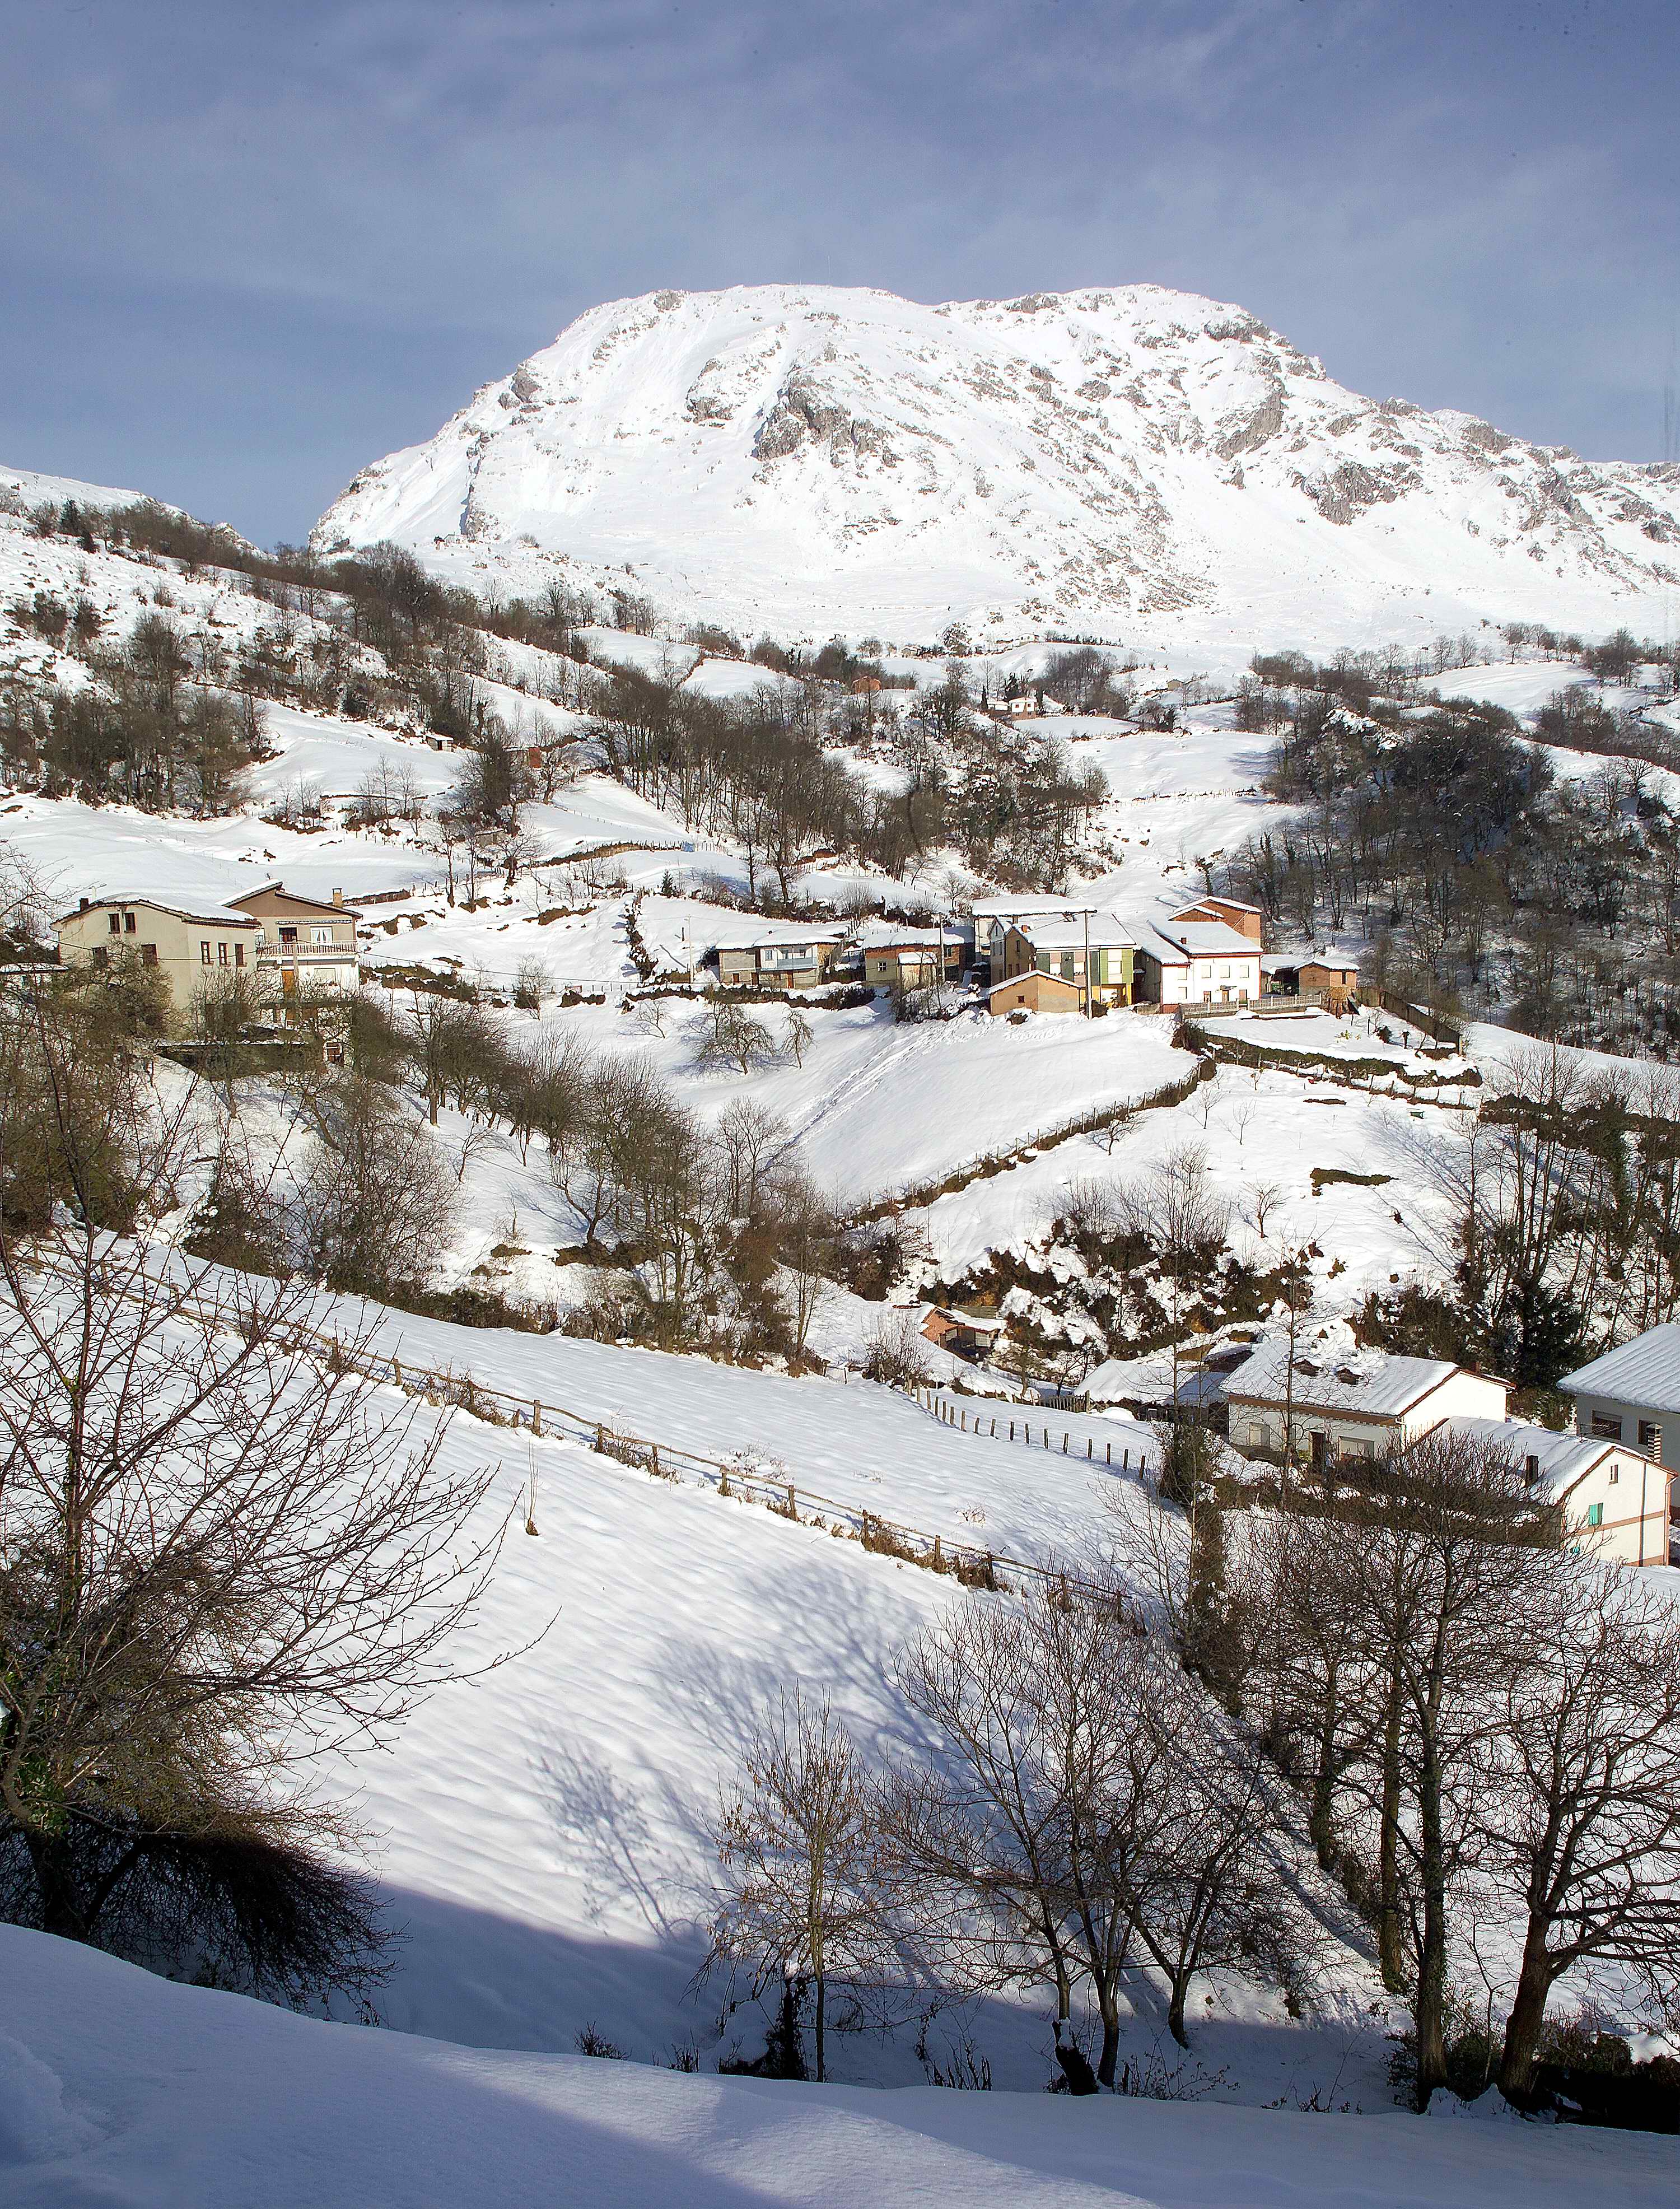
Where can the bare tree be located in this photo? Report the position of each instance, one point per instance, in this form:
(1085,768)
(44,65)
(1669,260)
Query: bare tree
(376,1204)
(897,1355)
(798,1839)
(222,1556)
(797,1041)
(1442,1582)
(749,1137)
(1581,1810)
(1090,1800)
(730,1036)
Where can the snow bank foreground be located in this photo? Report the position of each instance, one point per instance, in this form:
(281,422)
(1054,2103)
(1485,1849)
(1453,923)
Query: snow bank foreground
(119,2089)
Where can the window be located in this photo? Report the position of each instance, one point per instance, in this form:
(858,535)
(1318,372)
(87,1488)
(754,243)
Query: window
(1595,1515)
(1207,970)
(148,954)
(204,951)
(116,924)
(128,924)
(288,936)
(221,953)
(1530,1466)
(1606,1428)
(1615,1474)
(1651,1437)
(101,956)
(323,935)
(238,954)
(1224,970)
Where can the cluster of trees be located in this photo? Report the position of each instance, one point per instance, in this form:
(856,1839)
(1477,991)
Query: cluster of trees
(1442,838)
(1473,1729)
(155,728)
(763,772)
(1560,1210)
(1440,834)
(223,1555)
(1482,1726)
(1088,1814)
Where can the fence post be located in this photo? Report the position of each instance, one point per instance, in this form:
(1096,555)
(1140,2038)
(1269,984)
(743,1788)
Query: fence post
(994,1430)
(1108,1452)
(965,1422)
(1064,1442)
(1125,1461)
(937,1565)
(792,1511)
(536,1416)
(396,1368)
(1089,1447)
(653,1451)
(601,1438)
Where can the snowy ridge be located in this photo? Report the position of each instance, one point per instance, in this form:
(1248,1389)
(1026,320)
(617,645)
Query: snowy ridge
(1143,464)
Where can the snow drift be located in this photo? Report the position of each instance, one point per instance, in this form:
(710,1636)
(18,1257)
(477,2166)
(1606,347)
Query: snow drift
(121,2089)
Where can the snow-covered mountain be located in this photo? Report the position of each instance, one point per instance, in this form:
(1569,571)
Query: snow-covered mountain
(1139,464)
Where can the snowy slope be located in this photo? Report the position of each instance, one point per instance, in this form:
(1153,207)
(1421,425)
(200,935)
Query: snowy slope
(1144,463)
(120,2089)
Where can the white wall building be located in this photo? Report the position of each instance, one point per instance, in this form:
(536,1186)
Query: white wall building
(1632,1394)
(1196,962)
(1614,1501)
(1361,1403)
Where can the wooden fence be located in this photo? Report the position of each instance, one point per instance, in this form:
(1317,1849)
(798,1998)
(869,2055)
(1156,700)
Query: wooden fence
(666,1461)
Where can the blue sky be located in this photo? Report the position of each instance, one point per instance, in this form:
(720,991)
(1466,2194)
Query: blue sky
(244,249)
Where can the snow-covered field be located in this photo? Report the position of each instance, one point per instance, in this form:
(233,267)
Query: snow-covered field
(121,2089)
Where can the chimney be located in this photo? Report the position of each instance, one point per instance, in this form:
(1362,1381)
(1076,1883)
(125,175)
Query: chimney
(338,897)
(83,907)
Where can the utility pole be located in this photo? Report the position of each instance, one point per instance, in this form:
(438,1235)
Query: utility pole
(1088,962)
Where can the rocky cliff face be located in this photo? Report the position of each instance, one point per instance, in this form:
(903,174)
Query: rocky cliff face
(1138,464)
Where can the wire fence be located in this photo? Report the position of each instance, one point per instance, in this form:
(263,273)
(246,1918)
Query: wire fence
(1014,1426)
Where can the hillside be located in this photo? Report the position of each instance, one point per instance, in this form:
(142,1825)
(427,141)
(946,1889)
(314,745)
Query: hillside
(1144,465)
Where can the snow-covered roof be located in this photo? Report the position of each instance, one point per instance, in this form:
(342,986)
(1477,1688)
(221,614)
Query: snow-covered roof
(277,888)
(1367,1383)
(788,938)
(1066,932)
(1181,908)
(1005,908)
(1646,1370)
(1034,974)
(878,935)
(187,908)
(1194,939)
(1561,1460)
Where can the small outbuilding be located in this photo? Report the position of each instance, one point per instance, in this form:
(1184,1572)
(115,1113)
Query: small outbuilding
(1035,993)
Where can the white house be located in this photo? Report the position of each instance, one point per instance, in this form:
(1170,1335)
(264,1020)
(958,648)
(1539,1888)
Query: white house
(1360,1404)
(1632,1394)
(1614,1501)
(1196,962)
